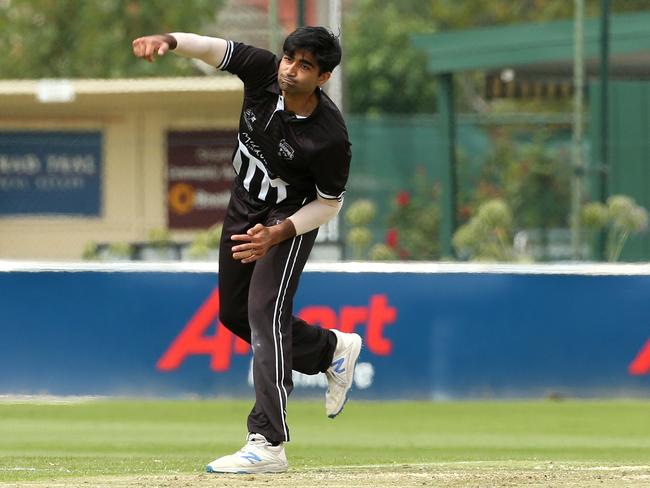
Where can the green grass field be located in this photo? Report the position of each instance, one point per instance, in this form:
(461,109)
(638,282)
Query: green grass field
(151,443)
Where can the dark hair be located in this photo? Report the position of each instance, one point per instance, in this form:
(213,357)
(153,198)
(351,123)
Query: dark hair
(319,41)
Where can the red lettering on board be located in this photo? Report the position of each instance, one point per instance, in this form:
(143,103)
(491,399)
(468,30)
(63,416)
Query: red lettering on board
(351,317)
(325,317)
(381,315)
(375,317)
(641,363)
(194,339)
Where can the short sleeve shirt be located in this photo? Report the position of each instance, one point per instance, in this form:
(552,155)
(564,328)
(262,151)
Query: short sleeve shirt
(282,157)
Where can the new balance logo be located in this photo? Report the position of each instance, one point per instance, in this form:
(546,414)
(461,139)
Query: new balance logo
(252,457)
(338,365)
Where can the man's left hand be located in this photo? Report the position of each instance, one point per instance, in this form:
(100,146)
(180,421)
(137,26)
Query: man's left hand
(259,239)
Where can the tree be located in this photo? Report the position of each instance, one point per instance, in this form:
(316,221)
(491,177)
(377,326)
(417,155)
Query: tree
(92,38)
(384,73)
(450,14)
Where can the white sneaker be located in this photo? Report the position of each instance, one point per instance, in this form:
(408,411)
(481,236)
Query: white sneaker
(257,456)
(341,373)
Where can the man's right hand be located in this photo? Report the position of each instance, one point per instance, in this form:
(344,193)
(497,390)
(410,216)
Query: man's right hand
(149,46)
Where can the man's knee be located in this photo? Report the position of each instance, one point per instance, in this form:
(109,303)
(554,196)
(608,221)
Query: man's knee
(261,312)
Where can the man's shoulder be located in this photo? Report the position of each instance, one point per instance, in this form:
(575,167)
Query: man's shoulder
(329,116)
(256,67)
(333,122)
(329,107)
(249,50)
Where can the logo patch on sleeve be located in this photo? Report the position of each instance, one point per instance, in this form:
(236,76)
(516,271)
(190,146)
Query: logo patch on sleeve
(249,118)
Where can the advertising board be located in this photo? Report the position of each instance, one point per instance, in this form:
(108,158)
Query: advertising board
(50,173)
(427,335)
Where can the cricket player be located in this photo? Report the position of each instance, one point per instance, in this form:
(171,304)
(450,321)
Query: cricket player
(292,162)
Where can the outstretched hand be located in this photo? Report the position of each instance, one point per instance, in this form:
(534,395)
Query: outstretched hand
(259,239)
(149,46)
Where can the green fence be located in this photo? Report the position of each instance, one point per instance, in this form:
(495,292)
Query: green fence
(628,149)
(394,154)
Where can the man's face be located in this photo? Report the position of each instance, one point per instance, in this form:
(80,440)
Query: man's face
(299,73)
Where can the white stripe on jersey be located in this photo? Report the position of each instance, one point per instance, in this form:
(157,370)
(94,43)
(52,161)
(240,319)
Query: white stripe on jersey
(264,189)
(338,197)
(230,46)
(252,173)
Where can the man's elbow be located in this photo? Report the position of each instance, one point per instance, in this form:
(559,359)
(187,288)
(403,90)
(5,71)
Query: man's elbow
(334,205)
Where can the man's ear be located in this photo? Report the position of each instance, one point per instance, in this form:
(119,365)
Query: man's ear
(323,77)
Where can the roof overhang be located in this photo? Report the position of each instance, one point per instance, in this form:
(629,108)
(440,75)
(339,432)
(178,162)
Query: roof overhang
(540,47)
(80,96)
(127,86)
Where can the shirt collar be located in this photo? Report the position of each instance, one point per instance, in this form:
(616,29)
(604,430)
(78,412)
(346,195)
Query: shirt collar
(275,88)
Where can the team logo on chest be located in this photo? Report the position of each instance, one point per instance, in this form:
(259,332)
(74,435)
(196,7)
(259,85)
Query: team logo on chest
(285,150)
(249,118)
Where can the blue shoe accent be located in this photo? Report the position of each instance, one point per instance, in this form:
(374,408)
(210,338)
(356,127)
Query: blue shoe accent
(208,469)
(340,374)
(338,365)
(251,457)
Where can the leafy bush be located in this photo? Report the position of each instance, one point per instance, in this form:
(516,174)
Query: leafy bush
(619,218)
(412,226)
(205,242)
(487,236)
(159,238)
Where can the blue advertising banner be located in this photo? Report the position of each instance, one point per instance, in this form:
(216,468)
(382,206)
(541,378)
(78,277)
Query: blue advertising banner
(427,335)
(50,173)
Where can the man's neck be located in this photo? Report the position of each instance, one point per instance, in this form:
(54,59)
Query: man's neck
(300,104)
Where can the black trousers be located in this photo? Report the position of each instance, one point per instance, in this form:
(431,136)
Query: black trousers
(256,301)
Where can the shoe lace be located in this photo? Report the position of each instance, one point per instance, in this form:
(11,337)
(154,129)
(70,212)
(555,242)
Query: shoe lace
(254,440)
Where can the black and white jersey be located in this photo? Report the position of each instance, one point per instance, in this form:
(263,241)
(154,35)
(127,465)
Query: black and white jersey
(281,157)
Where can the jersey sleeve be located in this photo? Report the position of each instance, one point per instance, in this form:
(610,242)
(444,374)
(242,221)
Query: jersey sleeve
(254,66)
(331,171)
